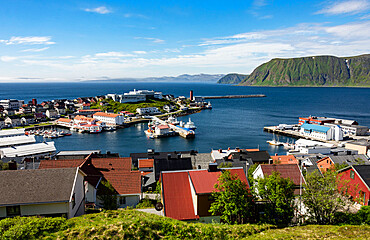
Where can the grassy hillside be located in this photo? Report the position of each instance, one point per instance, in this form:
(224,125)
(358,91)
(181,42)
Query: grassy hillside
(312,71)
(133,224)
(232,78)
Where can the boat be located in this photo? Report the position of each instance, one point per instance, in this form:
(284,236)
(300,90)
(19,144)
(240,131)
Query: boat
(275,143)
(172,120)
(209,105)
(109,129)
(189,125)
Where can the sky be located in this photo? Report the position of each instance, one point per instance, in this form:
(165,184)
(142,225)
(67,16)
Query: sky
(77,40)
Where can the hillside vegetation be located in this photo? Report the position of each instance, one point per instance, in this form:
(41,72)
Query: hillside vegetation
(131,224)
(312,71)
(232,78)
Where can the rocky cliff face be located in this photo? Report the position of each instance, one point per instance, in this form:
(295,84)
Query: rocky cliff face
(312,71)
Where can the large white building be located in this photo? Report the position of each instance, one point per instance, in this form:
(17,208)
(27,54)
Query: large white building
(109,118)
(11,103)
(135,96)
(330,132)
(148,111)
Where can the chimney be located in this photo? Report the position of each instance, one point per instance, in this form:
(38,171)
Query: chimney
(276,154)
(228,149)
(220,150)
(212,167)
(191,95)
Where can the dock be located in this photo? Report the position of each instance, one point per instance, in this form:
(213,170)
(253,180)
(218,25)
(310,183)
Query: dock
(294,134)
(182,132)
(236,96)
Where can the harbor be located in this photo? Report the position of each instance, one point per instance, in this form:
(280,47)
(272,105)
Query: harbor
(165,128)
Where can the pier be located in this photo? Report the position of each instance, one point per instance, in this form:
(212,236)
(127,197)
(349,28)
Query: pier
(236,96)
(182,132)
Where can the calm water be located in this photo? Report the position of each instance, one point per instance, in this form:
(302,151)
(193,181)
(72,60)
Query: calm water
(231,122)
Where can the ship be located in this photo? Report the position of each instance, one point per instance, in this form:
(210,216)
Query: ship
(189,126)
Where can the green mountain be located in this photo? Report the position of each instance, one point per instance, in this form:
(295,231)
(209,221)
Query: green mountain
(312,71)
(232,78)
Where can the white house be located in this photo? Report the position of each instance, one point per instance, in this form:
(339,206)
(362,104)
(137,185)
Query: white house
(148,111)
(11,103)
(45,192)
(51,113)
(109,118)
(162,130)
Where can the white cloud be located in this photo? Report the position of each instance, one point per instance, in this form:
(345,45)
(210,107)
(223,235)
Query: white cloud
(28,41)
(7,58)
(35,49)
(113,54)
(154,40)
(140,52)
(134,15)
(100,10)
(346,7)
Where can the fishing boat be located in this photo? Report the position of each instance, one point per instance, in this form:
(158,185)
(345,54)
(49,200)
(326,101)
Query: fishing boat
(189,125)
(172,120)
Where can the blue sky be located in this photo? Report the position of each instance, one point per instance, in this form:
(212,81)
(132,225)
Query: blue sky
(94,39)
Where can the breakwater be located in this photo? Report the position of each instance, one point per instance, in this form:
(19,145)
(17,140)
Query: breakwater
(236,96)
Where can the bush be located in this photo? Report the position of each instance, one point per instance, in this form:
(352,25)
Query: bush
(146,203)
(359,218)
(30,227)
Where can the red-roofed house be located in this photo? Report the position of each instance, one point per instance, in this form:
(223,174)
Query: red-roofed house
(146,165)
(117,171)
(284,159)
(291,171)
(186,194)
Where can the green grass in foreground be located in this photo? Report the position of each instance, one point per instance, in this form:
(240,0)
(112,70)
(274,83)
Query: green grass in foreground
(131,224)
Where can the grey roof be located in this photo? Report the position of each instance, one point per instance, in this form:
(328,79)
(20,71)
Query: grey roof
(16,140)
(36,186)
(199,159)
(72,153)
(364,172)
(361,142)
(359,159)
(11,132)
(28,150)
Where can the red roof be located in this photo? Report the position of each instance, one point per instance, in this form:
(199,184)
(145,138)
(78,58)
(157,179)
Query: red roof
(177,196)
(204,181)
(102,114)
(284,159)
(146,163)
(286,171)
(116,170)
(67,120)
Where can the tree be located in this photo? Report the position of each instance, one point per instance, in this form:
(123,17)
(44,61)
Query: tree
(233,200)
(108,195)
(322,197)
(251,179)
(278,192)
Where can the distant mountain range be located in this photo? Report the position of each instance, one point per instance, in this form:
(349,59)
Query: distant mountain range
(308,71)
(181,78)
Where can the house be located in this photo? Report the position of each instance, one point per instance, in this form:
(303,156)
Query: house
(51,113)
(11,103)
(46,192)
(315,120)
(356,179)
(40,116)
(60,110)
(291,171)
(186,195)
(109,118)
(116,170)
(354,130)
(244,158)
(148,111)
(162,130)
(362,146)
(13,121)
(65,122)
(329,162)
(284,159)
(220,154)
(28,119)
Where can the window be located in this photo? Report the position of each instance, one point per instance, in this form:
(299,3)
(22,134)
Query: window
(352,174)
(13,210)
(73,200)
(122,200)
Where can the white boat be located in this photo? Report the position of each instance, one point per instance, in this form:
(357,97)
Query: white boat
(189,125)
(275,143)
(209,105)
(173,121)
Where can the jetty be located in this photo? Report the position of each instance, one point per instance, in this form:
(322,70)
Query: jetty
(182,132)
(236,96)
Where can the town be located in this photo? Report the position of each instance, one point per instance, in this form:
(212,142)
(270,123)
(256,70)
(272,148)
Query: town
(180,182)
